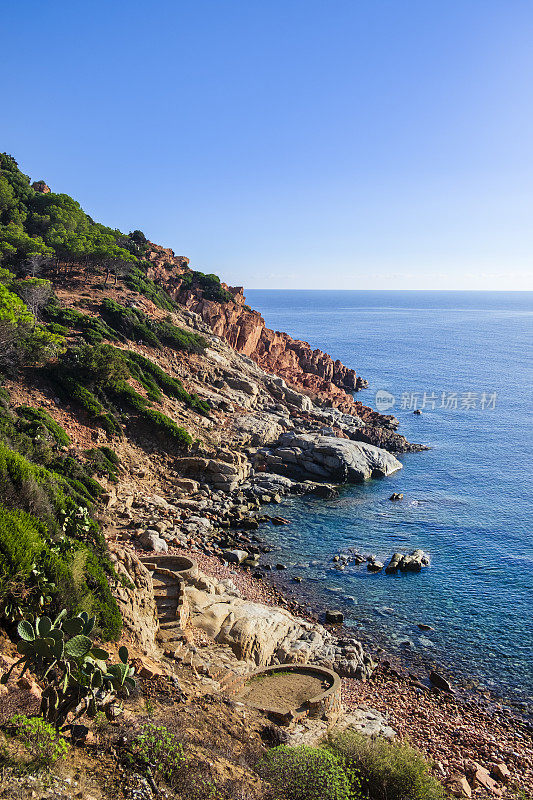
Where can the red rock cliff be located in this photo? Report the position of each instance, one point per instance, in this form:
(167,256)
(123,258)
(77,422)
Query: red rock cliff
(303,368)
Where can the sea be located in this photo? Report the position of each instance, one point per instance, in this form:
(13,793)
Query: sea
(465,360)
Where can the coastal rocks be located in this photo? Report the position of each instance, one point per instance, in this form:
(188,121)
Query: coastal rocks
(395,496)
(366,721)
(374,566)
(235,556)
(150,540)
(186,485)
(412,562)
(257,429)
(458,786)
(268,635)
(222,475)
(440,682)
(334,617)
(328,458)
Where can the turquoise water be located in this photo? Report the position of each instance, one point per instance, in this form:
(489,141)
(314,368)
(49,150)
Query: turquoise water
(467,500)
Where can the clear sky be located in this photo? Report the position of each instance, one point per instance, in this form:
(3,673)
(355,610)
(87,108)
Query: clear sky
(348,144)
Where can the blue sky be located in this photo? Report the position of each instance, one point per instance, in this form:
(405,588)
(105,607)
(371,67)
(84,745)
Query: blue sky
(288,143)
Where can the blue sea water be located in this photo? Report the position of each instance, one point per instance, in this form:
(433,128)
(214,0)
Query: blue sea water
(467,501)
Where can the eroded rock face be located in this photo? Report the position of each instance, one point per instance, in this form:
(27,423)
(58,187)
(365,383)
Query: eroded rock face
(304,456)
(266,635)
(137,605)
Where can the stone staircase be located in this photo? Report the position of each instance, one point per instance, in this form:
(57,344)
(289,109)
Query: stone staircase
(216,662)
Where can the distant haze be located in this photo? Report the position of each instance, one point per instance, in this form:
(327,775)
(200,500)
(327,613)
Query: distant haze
(288,143)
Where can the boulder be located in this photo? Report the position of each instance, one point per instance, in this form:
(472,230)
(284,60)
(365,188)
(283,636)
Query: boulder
(394,563)
(235,556)
(458,786)
(440,682)
(327,458)
(150,540)
(374,566)
(186,485)
(334,617)
(500,771)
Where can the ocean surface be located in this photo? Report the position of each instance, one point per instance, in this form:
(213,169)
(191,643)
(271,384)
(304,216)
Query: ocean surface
(465,359)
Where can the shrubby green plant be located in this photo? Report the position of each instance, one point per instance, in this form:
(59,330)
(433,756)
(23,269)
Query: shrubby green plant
(37,420)
(156,749)
(76,673)
(389,770)
(40,738)
(309,773)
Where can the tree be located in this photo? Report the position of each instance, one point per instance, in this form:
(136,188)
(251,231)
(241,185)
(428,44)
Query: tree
(34,292)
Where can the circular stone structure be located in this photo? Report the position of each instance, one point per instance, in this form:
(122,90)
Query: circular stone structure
(291,691)
(181,566)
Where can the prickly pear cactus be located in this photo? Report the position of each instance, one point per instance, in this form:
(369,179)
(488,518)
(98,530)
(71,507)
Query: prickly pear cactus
(78,678)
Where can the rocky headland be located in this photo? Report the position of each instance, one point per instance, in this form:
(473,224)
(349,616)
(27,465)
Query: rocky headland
(186,417)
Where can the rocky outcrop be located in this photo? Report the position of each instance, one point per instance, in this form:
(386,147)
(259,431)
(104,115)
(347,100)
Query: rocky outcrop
(327,458)
(221,474)
(310,370)
(267,635)
(136,599)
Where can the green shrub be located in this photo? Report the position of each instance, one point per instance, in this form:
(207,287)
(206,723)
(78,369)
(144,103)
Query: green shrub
(172,387)
(389,770)
(93,329)
(131,322)
(39,738)
(209,286)
(38,420)
(155,747)
(308,773)
(137,281)
(178,338)
(167,427)
(103,461)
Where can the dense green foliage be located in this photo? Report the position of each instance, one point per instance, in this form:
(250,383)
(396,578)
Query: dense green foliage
(35,421)
(22,340)
(209,286)
(389,770)
(40,738)
(308,773)
(155,380)
(157,748)
(135,325)
(52,225)
(138,281)
(51,550)
(93,329)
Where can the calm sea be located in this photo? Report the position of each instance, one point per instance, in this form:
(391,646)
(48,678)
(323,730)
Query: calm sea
(465,359)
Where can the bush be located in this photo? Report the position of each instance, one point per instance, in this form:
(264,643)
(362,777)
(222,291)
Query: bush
(38,420)
(172,387)
(93,329)
(103,461)
(139,282)
(131,322)
(178,338)
(167,427)
(308,773)
(39,738)
(158,749)
(389,770)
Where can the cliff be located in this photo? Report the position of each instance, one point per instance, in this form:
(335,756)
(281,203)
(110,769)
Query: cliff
(314,372)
